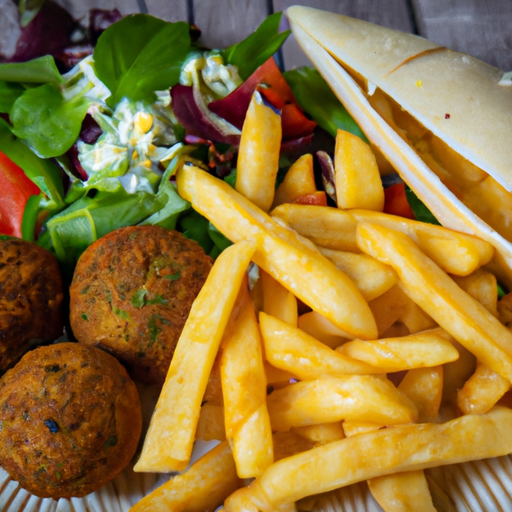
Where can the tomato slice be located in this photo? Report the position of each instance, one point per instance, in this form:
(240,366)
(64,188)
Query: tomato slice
(16,189)
(395,202)
(317,198)
(294,122)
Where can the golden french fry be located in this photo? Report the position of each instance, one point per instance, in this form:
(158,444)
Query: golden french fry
(415,319)
(244,389)
(355,427)
(202,488)
(395,449)
(210,425)
(388,307)
(276,377)
(326,227)
(298,181)
(293,350)
(403,492)
(322,433)
(424,387)
(370,276)
(437,294)
(304,271)
(317,326)
(455,374)
(357,178)
(359,397)
(289,443)
(456,253)
(419,350)
(258,154)
(277,300)
(483,287)
(505,309)
(170,437)
(482,391)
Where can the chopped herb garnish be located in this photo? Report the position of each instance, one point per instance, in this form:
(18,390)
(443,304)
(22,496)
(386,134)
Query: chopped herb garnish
(137,300)
(58,474)
(121,313)
(85,317)
(157,299)
(173,277)
(85,290)
(154,329)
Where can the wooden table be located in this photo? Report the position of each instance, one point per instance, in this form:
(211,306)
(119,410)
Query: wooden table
(482,28)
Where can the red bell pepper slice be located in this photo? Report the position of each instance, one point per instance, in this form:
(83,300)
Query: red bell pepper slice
(294,123)
(16,189)
(318,198)
(269,81)
(395,202)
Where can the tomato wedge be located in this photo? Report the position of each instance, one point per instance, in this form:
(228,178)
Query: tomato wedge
(395,202)
(16,190)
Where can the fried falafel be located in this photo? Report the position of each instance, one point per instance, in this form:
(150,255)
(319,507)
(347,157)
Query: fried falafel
(131,294)
(70,420)
(31,296)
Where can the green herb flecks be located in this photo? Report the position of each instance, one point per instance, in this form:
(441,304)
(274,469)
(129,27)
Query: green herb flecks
(173,277)
(157,299)
(85,317)
(138,298)
(121,313)
(155,329)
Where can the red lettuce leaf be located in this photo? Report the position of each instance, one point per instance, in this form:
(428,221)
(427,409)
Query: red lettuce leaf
(194,116)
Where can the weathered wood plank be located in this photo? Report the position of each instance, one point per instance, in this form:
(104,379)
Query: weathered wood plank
(225,22)
(9,27)
(80,9)
(481,28)
(168,10)
(389,13)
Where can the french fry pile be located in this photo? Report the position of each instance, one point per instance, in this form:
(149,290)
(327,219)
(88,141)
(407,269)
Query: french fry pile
(370,348)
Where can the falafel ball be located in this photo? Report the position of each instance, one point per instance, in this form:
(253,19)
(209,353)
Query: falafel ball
(131,294)
(71,420)
(31,297)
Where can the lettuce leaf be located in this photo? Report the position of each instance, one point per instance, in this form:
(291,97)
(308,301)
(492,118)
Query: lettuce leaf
(253,51)
(141,54)
(317,99)
(48,122)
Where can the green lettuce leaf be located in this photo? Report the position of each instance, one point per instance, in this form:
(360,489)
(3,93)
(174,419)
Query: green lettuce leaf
(44,173)
(36,71)
(317,99)
(48,122)
(257,48)
(421,212)
(141,54)
(9,93)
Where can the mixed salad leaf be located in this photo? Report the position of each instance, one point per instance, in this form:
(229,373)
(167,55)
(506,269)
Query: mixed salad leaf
(101,142)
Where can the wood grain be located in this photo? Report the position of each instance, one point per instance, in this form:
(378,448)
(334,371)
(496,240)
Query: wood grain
(481,28)
(80,9)
(225,22)
(389,13)
(168,10)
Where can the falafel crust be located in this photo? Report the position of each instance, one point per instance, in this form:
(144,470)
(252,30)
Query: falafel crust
(131,295)
(31,296)
(71,420)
